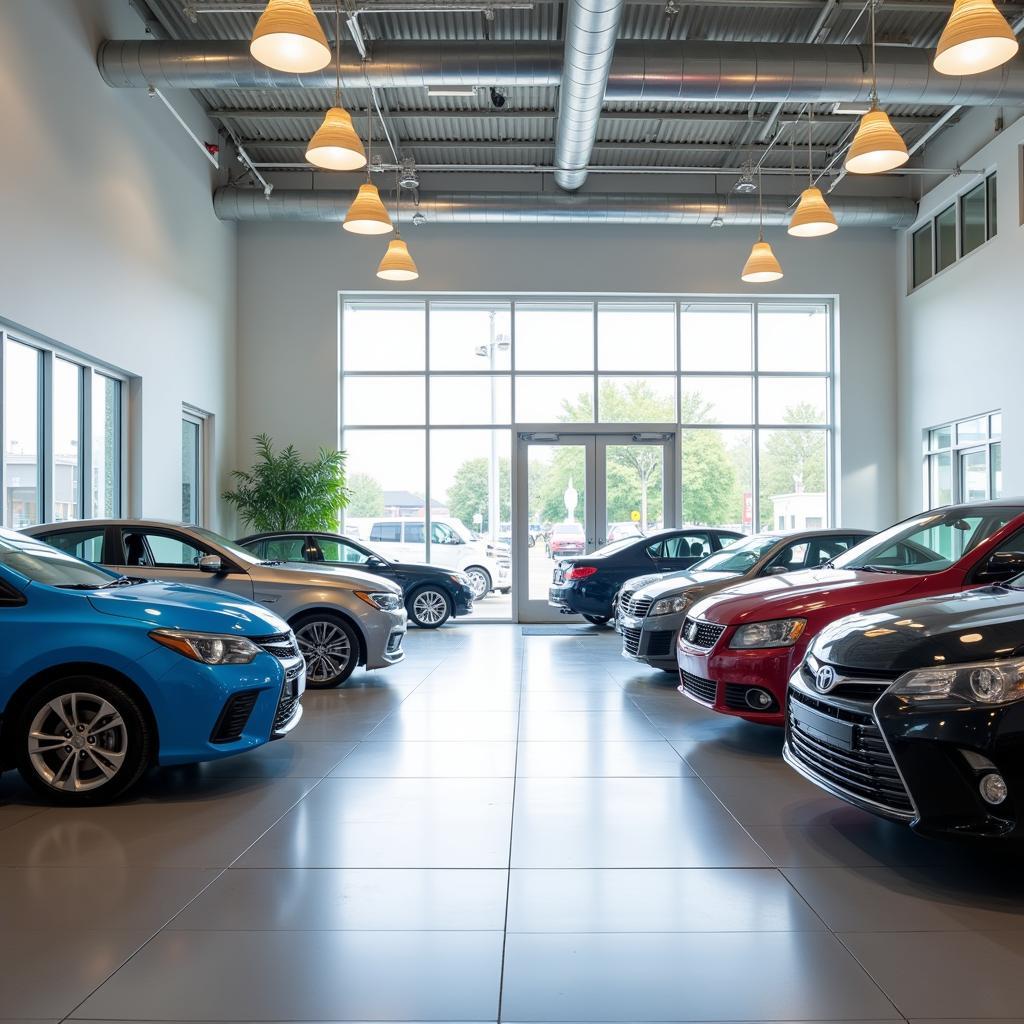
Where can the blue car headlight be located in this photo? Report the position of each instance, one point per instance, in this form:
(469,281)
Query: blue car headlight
(208,648)
(980,682)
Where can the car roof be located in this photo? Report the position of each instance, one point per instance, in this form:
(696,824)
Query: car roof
(75,524)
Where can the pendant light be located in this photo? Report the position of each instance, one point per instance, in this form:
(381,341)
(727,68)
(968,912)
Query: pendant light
(368,215)
(397,264)
(812,216)
(288,37)
(335,146)
(877,147)
(761,266)
(976,38)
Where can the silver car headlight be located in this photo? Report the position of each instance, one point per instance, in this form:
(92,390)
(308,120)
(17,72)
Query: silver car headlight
(383,600)
(981,682)
(209,648)
(461,578)
(668,606)
(775,633)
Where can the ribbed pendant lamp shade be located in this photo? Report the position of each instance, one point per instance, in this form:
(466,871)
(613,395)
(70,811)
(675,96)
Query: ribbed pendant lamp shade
(336,146)
(812,216)
(288,37)
(397,264)
(367,215)
(877,146)
(761,265)
(976,38)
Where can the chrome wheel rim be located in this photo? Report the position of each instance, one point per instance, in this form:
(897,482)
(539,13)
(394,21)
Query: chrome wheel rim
(479,582)
(430,607)
(326,648)
(77,742)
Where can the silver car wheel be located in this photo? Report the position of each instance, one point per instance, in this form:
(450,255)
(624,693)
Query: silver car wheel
(430,607)
(326,648)
(77,742)
(480,582)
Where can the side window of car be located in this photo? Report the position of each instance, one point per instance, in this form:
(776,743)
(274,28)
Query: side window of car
(688,545)
(338,551)
(9,596)
(258,548)
(163,550)
(790,558)
(657,549)
(386,533)
(87,544)
(413,533)
(1009,554)
(286,549)
(828,548)
(442,533)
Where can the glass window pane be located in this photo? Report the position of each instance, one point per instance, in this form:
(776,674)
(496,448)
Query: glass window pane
(636,336)
(716,336)
(67,439)
(386,478)
(974,477)
(995,424)
(106,446)
(466,400)
(634,489)
(922,254)
(792,337)
(191,470)
(554,336)
(945,248)
(792,399)
(972,219)
(383,335)
(554,399)
(717,400)
(366,401)
(940,437)
(972,431)
(471,510)
(991,206)
(637,400)
(470,336)
(793,474)
(717,478)
(87,544)
(22,371)
(940,479)
(996,459)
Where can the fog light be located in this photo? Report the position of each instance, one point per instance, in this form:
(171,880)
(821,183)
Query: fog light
(759,700)
(993,789)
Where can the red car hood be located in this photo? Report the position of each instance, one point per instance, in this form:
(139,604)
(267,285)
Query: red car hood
(800,594)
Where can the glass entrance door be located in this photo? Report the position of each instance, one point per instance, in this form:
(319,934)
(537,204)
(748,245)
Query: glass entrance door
(577,492)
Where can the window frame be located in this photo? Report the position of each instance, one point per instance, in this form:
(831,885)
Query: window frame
(955,449)
(199,419)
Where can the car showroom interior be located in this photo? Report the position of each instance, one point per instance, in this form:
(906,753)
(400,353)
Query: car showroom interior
(505,517)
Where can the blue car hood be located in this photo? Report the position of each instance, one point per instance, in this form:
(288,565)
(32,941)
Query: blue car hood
(179,606)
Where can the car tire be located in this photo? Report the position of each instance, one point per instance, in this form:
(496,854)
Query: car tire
(479,580)
(331,649)
(429,607)
(598,620)
(670,671)
(97,764)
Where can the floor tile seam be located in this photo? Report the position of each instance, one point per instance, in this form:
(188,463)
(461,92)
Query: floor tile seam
(867,972)
(408,695)
(31,814)
(665,739)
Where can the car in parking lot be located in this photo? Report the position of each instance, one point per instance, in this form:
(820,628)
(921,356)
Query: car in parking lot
(915,712)
(650,613)
(432,594)
(739,647)
(565,539)
(588,585)
(103,675)
(341,618)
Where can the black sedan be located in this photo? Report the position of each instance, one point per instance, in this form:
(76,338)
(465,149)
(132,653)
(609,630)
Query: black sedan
(432,594)
(586,585)
(915,712)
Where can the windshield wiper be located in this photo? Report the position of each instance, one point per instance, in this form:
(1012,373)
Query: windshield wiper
(77,586)
(123,581)
(274,561)
(877,568)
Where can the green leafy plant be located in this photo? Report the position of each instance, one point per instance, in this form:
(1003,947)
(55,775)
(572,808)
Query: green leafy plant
(282,491)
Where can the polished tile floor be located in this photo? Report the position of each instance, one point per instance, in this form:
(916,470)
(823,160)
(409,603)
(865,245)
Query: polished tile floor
(502,828)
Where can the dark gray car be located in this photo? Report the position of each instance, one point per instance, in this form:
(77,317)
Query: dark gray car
(650,611)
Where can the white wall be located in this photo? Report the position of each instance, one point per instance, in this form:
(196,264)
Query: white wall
(109,242)
(960,342)
(290,274)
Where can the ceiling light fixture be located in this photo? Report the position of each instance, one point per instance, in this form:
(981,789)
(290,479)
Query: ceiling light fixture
(288,37)
(761,266)
(397,263)
(976,38)
(451,90)
(368,215)
(877,147)
(812,216)
(335,146)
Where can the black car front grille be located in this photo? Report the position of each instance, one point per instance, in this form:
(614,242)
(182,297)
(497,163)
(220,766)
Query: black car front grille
(280,645)
(867,771)
(702,634)
(638,607)
(851,687)
(234,717)
(659,643)
(703,690)
(736,698)
(631,640)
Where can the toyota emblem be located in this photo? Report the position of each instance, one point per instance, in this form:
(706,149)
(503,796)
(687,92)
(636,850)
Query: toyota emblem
(825,679)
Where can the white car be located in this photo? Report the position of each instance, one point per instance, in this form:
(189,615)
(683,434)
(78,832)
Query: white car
(488,566)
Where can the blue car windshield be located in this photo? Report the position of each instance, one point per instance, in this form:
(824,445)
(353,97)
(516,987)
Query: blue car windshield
(44,564)
(738,557)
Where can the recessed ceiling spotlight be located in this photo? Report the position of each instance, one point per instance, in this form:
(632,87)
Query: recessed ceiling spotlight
(717,222)
(418,219)
(746,184)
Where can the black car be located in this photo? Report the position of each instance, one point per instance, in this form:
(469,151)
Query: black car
(587,584)
(915,712)
(432,594)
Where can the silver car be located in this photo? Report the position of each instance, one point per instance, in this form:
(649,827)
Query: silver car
(341,617)
(650,610)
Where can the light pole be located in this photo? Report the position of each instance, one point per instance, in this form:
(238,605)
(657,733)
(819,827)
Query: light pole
(496,343)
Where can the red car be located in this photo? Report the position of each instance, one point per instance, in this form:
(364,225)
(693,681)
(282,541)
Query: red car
(738,648)
(566,539)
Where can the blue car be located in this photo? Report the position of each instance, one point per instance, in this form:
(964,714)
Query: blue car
(103,676)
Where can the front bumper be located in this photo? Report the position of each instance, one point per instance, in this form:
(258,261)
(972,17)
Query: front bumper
(938,752)
(384,635)
(651,639)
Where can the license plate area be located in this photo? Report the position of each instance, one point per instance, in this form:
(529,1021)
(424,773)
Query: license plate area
(822,727)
